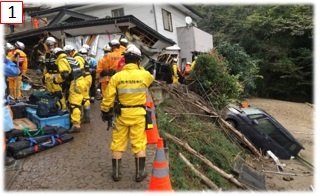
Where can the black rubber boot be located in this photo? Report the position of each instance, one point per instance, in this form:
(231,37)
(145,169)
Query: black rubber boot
(140,169)
(116,173)
(86,116)
(75,129)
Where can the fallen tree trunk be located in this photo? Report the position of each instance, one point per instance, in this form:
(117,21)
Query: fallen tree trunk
(205,160)
(199,174)
(243,139)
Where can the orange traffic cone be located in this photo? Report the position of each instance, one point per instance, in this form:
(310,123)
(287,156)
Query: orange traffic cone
(152,133)
(160,180)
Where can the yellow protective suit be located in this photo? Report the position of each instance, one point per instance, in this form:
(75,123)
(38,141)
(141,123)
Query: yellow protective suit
(107,63)
(193,64)
(131,85)
(175,76)
(77,90)
(15,82)
(87,78)
(49,69)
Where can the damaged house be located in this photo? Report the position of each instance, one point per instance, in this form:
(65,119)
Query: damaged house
(161,31)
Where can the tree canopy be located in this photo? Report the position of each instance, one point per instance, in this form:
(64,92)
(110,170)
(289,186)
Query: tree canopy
(275,40)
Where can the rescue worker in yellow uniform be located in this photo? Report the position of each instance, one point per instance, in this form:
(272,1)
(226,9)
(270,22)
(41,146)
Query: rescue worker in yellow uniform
(90,68)
(123,44)
(50,70)
(69,71)
(84,66)
(108,65)
(21,60)
(193,62)
(175,77)
(129,87)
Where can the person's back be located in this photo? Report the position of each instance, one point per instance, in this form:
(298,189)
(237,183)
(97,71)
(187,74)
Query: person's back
(175,70)
(113,59)
(129,86)
(108,65)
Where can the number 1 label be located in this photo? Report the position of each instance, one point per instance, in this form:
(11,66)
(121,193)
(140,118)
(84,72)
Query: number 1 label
(11,12)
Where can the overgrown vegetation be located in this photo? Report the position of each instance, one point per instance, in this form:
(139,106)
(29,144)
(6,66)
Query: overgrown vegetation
(242,65)
(216,84)
(278,39)
(205,137)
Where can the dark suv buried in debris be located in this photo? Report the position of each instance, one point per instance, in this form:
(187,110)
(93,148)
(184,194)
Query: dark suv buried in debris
(262,130)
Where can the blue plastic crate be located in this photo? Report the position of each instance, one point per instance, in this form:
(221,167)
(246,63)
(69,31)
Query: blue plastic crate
(60,121)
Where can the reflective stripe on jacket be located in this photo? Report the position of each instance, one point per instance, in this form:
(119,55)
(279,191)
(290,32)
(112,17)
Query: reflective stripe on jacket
(131,85)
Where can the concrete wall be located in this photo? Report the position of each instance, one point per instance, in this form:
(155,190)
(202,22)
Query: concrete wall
(203,40)
(193,39)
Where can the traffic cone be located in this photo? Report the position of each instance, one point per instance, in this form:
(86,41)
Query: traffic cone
(160,180)
(152,133)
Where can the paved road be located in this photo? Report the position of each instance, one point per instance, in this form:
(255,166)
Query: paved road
(83,164)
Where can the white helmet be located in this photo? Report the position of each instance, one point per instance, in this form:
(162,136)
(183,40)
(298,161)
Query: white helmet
(57,50)
(130,45)
(188,63)
(50,41)
(107,48)
(175,60)
(86,46)
(83,51)
(9,47)
(19,45)
(124,40)
(114,42)
(133,51)
(68,48)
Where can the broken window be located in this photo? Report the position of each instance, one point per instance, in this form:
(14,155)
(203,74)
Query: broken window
(117,12)
(167,20)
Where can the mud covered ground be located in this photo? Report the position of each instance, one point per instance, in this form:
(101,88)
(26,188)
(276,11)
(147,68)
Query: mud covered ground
(298,118)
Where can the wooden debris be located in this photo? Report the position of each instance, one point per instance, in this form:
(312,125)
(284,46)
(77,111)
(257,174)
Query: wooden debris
(227,176)
(206,180)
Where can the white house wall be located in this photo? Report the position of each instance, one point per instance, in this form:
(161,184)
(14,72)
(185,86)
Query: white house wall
(178,20)
(145,13)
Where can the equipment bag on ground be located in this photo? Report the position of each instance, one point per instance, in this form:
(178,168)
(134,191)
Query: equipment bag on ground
(47,106)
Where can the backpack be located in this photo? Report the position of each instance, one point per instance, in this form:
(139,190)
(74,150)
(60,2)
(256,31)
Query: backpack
(34,98)
(47,106)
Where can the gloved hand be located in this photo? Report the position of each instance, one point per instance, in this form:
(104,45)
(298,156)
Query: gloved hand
(106,116)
